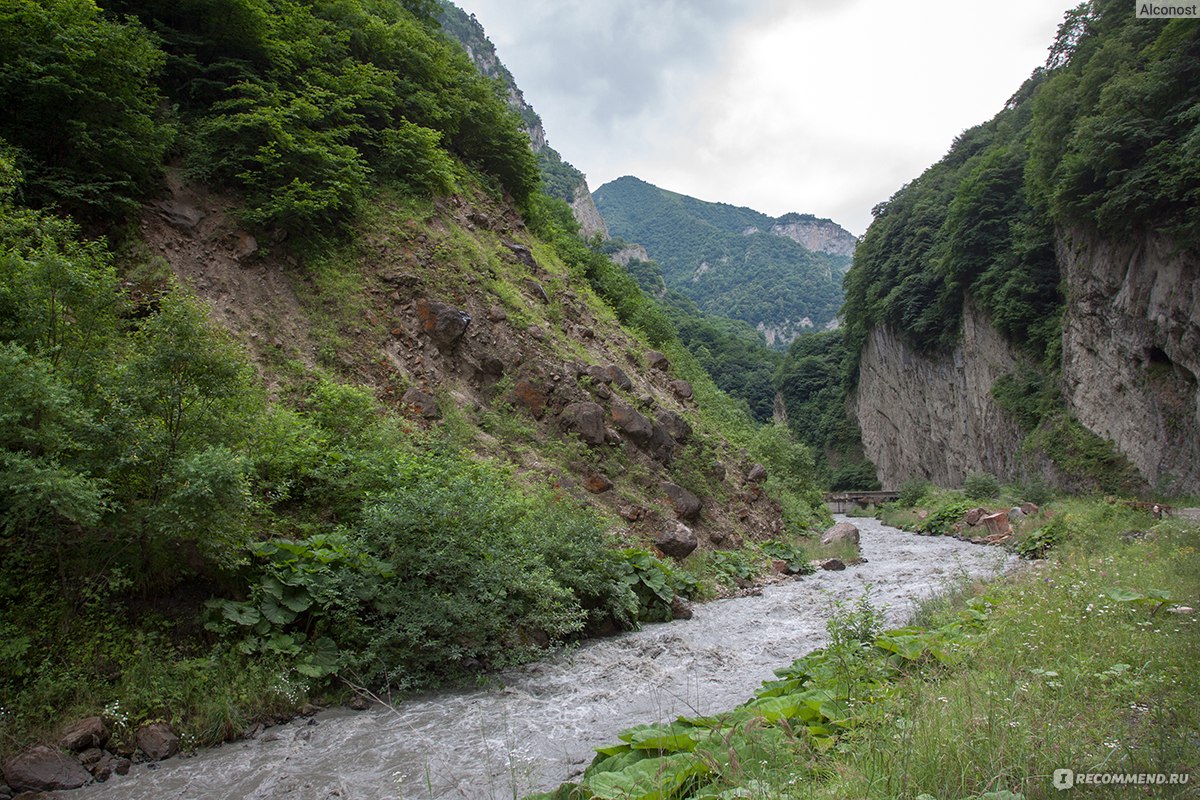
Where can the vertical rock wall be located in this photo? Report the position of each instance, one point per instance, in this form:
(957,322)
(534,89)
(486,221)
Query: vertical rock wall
(934,416)
(1131,351)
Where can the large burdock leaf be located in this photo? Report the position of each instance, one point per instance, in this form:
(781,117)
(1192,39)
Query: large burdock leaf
(650,779)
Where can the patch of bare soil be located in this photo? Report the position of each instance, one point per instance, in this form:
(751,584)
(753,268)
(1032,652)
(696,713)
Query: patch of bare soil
(250,291)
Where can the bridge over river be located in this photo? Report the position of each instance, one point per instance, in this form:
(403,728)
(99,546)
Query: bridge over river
(844,502)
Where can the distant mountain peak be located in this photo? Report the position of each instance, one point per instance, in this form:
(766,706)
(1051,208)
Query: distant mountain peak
(782,275)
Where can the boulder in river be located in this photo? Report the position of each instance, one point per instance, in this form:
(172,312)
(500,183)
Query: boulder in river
(44,769)
(157,741)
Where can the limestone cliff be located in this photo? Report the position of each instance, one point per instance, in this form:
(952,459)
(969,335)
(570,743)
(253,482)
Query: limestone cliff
(818,235)
(586,213)
(1131,351)
(1130,367)
(934,416)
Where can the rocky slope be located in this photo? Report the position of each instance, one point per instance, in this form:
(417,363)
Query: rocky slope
(460,318)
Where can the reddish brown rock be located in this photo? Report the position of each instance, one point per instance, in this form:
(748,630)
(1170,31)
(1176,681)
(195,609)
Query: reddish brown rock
(597,483)
(442,323)
(632,513)
(83,735)
(1029,509)
(422,403)
(44,769)
(757,474)
(997,524)
(974,515)
(531,396)
(833,564)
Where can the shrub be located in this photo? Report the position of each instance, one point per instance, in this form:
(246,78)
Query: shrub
(981,486)
(942,520)
(912,492)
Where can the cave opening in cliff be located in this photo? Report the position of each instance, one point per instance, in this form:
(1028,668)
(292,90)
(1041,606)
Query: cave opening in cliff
(1158,356)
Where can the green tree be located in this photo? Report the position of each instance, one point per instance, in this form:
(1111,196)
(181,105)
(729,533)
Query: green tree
(80,98)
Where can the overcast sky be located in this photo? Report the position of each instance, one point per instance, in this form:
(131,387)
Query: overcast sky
(818,106)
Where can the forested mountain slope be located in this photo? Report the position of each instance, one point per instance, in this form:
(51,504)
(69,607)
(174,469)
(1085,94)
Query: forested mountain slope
(782,276)
(1030,305)
(302,374)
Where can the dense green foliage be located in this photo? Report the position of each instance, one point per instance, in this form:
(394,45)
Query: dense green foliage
(1105,137)
(80,98)
(811,382)
(142,467)
(299,105)
(964,229)
(709,253)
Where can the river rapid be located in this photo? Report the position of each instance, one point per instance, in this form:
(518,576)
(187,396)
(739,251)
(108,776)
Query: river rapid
(536,726)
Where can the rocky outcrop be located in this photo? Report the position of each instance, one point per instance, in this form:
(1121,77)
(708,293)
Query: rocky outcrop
(818,235)
(443,324)
(585,419)
(586,213)
(686,504)
(1131,351)
(934,416)
(632,252)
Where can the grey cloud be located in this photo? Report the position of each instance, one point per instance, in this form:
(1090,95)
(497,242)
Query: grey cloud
(616,60)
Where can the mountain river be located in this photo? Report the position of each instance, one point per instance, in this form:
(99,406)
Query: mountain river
(536,725)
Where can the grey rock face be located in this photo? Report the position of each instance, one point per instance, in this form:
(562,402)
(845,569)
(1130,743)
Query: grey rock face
(1131,351)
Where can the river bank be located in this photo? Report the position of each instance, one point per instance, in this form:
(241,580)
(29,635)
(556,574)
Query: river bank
(1077,672)
(536,726)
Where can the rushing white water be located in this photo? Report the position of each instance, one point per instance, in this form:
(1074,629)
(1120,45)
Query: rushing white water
(538,726)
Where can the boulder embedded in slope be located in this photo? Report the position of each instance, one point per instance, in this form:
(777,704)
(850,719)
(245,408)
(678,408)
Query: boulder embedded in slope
(676,540)
(584,419)
(442,323)
(841,532)
(686,504)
